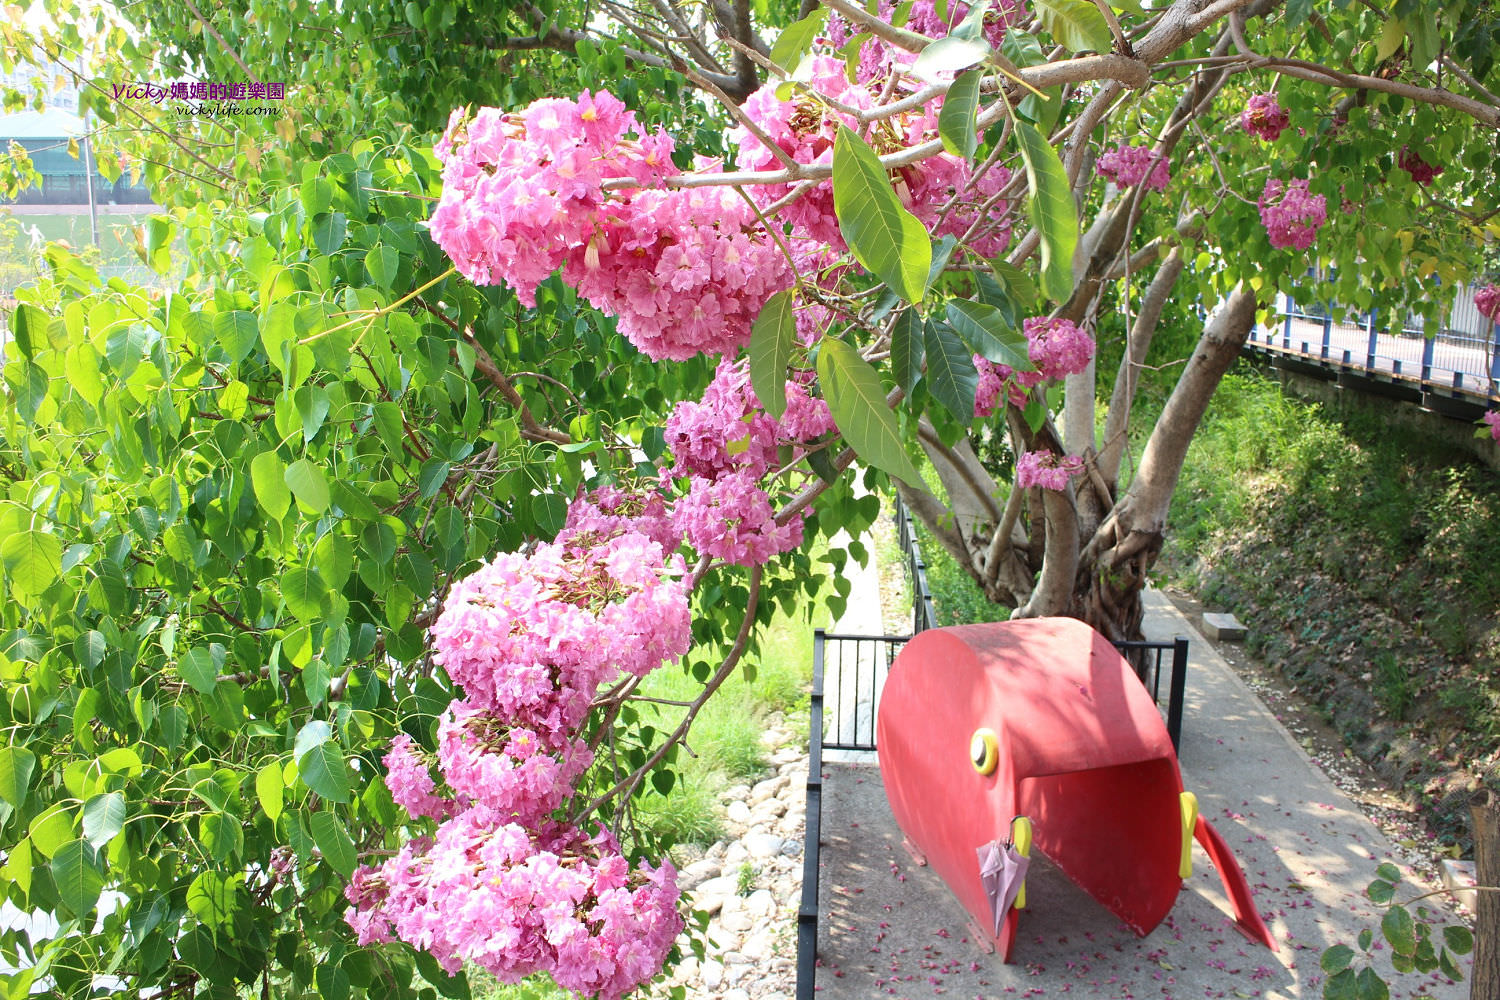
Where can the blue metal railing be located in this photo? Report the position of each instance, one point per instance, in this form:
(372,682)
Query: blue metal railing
(1462,356)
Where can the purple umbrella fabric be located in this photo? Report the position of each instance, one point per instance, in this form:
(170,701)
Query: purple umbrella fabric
(1001,870)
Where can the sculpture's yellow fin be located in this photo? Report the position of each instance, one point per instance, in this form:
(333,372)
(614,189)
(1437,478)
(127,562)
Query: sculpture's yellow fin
(1020,835)
(1189,823)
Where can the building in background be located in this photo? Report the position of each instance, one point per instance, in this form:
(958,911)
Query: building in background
(49,137)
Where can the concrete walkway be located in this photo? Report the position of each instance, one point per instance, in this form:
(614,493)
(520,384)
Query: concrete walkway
(890,928)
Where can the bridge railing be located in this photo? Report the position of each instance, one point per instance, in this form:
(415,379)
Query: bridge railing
(1462,355)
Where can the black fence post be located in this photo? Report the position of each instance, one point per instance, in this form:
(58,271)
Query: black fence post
(1178,691)
(807,911)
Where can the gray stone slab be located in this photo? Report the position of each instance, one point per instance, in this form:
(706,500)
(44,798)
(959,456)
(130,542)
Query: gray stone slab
(1460,877)
(890,928)
(1223,627)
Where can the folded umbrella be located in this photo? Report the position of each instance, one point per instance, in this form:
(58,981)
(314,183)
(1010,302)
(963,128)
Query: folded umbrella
(1002,869)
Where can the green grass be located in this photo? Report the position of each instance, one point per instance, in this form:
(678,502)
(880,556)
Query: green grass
(725,737)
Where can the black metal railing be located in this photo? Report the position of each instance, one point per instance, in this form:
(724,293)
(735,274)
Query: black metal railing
(854,669)
(923,615)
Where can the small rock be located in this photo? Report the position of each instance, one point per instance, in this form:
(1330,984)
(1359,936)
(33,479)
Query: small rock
(757,946)
(790,848)
(722,885)
(711,975)
(738,812)
(736,792)
(765,789)
(1459,876)
(738,921)
(762,845)
(760,903)
(708,904)
(736,994)
(766,813)
(697,873)
(735,855)
(733,958)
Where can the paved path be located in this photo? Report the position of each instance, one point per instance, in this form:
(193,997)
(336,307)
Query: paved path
(889,928)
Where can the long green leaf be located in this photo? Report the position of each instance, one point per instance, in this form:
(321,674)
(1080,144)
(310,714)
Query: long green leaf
(33,559)
(1076,24)
(213,897)
(857,401)
(1017,282)
(884,237)
(985,331)
(334,842)
(308,485)
(77,877)
(1051,209)
(796,39)
(267,475)
(949,55)
(951,375)
(956,122)
(270,790)
(16,767)
(304,592)
(103,817)
(197,668)
(325,772)
(907,350)
(771,341)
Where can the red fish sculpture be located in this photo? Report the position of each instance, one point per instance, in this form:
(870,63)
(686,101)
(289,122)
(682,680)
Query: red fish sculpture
(994,738)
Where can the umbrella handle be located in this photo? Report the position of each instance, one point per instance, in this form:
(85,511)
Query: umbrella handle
(1020,836)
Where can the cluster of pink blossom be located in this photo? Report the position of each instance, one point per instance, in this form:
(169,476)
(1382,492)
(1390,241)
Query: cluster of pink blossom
(1127,166)
(1046,469)
(731,518)
(510,769)
(805,127)
(725,443)
(1057,348)
(1492,420)
(517,901)
(409,778)
(609,510)
(1290,214)
(1265,117)
(1487,301)
(523,195)
(531,636)
(1422,172)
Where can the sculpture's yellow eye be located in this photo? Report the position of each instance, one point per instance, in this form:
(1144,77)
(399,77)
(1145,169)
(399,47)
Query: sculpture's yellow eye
(984,751)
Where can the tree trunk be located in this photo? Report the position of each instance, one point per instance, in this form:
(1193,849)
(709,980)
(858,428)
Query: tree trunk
(1113,566)
(1484,980)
